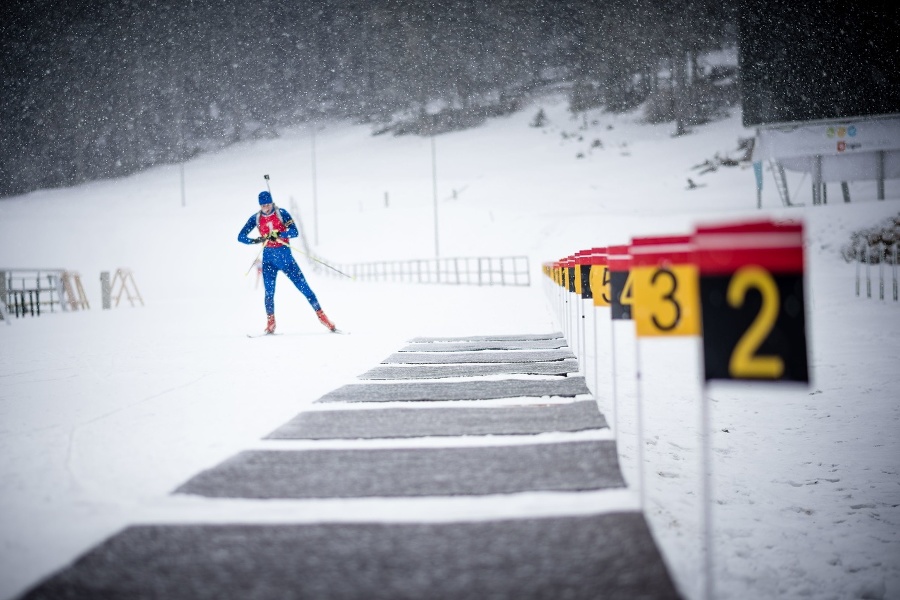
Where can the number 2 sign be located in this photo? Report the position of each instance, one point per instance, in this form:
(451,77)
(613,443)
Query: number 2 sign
(752,301)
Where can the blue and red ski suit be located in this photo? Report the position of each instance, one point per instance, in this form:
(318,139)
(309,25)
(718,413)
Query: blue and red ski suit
(276,255)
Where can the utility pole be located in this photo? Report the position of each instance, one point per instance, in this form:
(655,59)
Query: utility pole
(437,252)
(181,152)
(315,193)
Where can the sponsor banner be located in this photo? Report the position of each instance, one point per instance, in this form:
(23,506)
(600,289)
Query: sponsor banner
(835,138)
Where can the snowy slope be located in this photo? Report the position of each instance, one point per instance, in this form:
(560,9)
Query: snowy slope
(103,413)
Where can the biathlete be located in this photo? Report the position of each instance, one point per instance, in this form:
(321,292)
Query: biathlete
(276,227)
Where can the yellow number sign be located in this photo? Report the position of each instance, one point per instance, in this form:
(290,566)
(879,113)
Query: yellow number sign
(666,287)
(599,279)
(751,287)
(666,300)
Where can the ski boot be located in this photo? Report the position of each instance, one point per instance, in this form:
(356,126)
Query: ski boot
(270,324)
(324,320)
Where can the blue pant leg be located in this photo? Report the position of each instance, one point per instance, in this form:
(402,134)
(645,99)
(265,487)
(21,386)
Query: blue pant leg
(292,270)
(269,271)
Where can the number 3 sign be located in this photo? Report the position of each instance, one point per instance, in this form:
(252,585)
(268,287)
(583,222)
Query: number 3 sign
(665,287)
(752,301)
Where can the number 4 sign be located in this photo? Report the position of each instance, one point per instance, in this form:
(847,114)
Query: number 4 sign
(752,301)
(621,290)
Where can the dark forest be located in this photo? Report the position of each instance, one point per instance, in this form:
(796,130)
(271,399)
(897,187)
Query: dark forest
(102,89)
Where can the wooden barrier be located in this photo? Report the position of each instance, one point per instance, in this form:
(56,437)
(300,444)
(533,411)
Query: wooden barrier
(74,291)
(124,277)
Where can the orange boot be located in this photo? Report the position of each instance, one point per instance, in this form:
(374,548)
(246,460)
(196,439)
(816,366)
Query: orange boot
(270,323)
(324,320)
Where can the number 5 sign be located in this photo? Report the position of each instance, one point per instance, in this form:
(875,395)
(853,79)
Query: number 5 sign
(752,301)
(598,278)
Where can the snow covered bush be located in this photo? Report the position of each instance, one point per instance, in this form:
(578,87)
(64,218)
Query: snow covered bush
(883,235)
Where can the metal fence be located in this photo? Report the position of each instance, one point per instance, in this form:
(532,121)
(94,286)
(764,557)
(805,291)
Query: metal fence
(880,257)
(503,271)
(26,292)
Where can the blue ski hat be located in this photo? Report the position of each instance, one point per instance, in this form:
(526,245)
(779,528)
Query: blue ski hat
(265,198)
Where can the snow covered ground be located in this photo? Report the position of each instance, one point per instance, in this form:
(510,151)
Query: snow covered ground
(104,413)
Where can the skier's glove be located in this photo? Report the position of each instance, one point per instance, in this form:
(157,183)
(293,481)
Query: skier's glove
(258,240)
(273,235)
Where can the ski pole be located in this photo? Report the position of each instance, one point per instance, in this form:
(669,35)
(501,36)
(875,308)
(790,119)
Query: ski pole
(310,257)
(323,263)
(255,260)
(269,189)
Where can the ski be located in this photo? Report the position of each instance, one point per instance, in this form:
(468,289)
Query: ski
(259,335)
